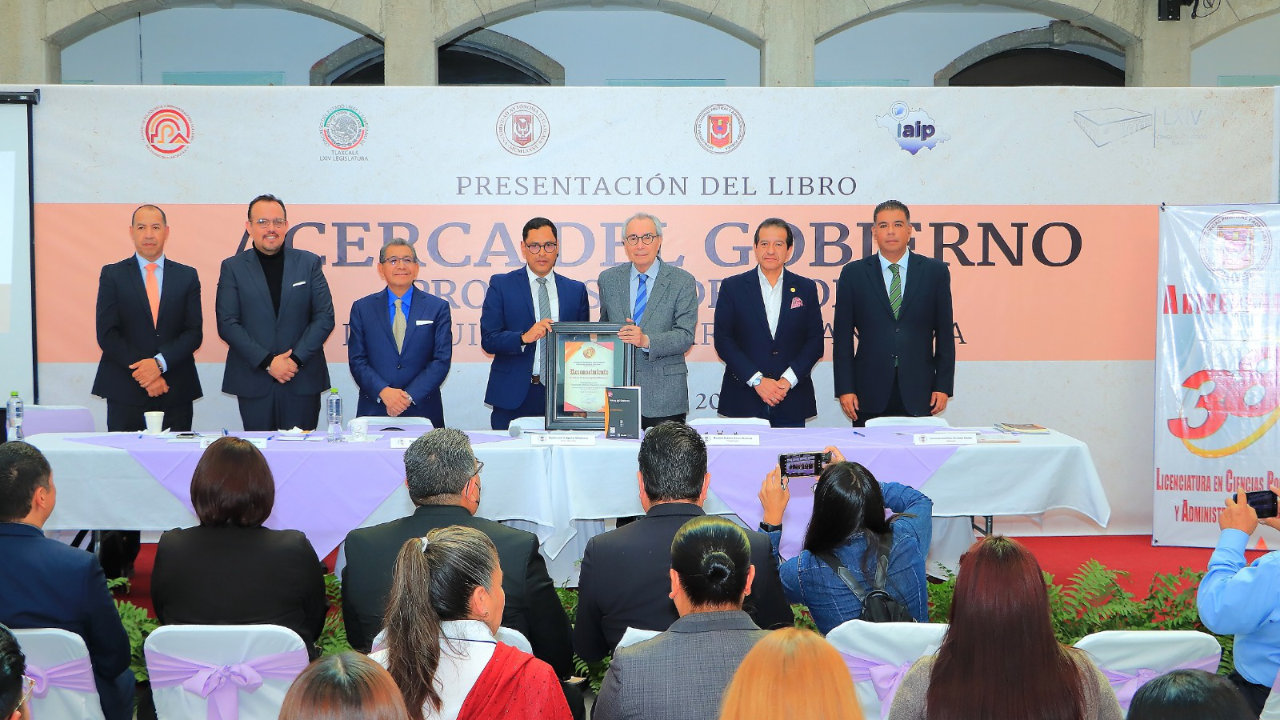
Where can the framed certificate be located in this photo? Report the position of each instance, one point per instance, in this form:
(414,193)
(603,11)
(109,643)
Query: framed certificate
(584,359)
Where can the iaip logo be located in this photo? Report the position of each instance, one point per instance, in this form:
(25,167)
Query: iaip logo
(913,129)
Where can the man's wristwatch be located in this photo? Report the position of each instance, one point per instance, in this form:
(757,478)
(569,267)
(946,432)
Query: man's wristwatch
(766,527)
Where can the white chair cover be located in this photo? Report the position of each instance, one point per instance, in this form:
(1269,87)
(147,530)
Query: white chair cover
(223,648)
(1271,710)
(891,420)
(527,424)
(633,636)
(1131,658)
(377,423)
(879,654)
(705,421)
(66,689)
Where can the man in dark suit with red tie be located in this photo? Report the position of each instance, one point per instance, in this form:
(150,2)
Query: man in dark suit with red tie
(768,332)
(401,342)
(149,326)
(899,304)
(519,308)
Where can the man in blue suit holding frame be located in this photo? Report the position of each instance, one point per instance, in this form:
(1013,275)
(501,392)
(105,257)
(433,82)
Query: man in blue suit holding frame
(519,308)
(401,342)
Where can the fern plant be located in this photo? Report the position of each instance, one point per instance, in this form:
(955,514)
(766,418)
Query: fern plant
(333,635)
(138,624)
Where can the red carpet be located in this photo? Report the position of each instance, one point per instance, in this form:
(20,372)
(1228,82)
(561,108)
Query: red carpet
(1060,556)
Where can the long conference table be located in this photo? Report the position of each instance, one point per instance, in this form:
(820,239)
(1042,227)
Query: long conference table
(562,492)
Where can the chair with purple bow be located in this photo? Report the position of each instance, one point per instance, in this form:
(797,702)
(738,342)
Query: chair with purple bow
(58,661)
(879,654)
(1271,710)
(1131,658)
(222,672)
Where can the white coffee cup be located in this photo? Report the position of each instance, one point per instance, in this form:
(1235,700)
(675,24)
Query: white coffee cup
(359,430)
(155,421)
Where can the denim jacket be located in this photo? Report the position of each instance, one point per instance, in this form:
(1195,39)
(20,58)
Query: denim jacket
(808,580)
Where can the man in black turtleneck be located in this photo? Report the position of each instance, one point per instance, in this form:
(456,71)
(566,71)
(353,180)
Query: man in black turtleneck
(275,363)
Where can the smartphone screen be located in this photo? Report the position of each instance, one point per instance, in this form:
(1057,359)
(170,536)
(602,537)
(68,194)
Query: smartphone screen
(1263,501)
(802,464)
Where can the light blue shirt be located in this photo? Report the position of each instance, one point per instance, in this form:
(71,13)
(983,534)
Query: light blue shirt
(888,274)
(634,287)
(142,268)
(1244,600)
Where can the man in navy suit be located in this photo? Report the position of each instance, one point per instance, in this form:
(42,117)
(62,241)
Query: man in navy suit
(514,322)
(401,342)
(768,332)
(275,312)
(148,358)
(51,585)
(899,304)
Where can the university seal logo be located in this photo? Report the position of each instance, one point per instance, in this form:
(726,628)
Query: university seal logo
(343,128)
(167,131)
(523,129)
(1234,244)
(719,128)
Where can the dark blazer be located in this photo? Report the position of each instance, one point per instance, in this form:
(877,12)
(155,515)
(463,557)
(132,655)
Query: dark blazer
(239,576)
(669,320)
(127,334)
(249,325)
(532,606)
(51,585)
(507,313)
(418,370)
(743,342)
(681,673)
(624,581)
(920,339)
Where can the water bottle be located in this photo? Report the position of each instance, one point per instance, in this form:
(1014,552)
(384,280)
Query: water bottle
(15,415)
(334,406)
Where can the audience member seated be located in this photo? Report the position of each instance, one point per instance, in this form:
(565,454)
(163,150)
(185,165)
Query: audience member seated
(1240,598)
(999,658)
(849,525)
(47,584)
(623,578)
(346,686)
(443,477)
(792,674)
(229,569)
(15,686)
(445,605)
(711,575)
(1189,695)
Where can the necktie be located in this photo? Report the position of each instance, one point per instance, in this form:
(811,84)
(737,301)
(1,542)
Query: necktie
(895,290)
(544,312)
(397,326)
(153,292)
(642,298)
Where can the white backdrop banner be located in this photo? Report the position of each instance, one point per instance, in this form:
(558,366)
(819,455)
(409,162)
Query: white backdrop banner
(1217,366)
(1042,200)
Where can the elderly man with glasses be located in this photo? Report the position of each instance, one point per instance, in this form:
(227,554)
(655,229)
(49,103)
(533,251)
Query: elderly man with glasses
(274,312)
(659,303)
(443,477)
(401,343)
(519,308)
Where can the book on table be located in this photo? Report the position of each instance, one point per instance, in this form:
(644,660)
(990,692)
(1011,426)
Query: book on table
(1022,428)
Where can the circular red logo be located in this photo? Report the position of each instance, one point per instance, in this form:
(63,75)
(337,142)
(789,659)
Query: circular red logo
(167,131)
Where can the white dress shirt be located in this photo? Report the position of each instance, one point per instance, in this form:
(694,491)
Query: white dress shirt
(466,646)
(772,295)
(888,274)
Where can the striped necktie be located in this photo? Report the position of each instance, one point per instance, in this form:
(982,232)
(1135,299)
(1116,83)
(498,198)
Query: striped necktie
(544,312)
(895,290)
(642,298)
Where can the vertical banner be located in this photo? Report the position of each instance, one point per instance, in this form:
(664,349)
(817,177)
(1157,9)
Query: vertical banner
(1217,366)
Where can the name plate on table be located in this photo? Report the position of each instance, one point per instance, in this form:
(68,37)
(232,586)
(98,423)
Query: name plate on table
(402,443)
(260,443)
(722,439)
(946,438)
(571,439)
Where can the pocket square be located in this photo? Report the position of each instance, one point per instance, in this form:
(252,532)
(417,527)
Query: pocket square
(796,302)
(423,322)
(300,282)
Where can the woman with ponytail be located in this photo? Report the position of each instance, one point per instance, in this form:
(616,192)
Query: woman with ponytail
(445,606)
(682,673)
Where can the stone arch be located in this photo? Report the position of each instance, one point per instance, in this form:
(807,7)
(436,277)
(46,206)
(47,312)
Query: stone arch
(1056,34)
(1226,19)
(67,23)
(367,51)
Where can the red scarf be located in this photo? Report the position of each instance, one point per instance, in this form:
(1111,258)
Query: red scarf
(514,686)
